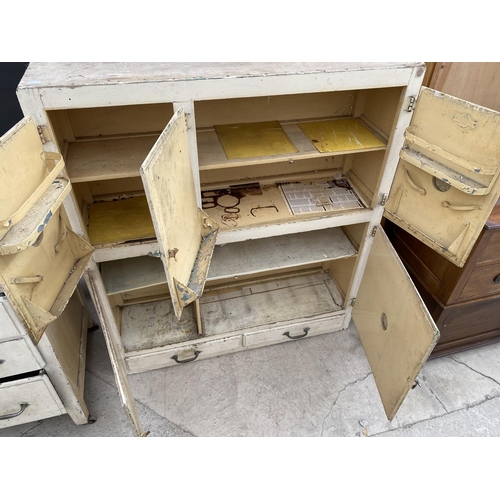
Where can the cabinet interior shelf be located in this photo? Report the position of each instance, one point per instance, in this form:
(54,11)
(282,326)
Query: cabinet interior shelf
(120,221)
(236,259)
(332,137)
(151,325)
(122,157)
(106,159)
(129,219)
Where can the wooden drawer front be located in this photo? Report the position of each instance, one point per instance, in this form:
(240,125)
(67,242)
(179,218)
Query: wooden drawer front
(37,392)
(17,357)
(482,282)
(10,327)
(292,332)
(467,320)
(161,358)
(492,252)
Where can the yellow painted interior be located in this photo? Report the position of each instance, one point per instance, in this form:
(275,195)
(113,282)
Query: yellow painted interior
(120,221)
(343,134)
(248,140)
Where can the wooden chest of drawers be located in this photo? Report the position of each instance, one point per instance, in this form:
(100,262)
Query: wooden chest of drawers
(464,302)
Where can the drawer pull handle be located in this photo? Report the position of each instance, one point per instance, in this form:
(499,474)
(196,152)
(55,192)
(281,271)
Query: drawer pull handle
(12,415)
(496,279)
(306,331)
(464,208)
(177,360)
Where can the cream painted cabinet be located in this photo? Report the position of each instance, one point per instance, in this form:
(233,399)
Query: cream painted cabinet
(233,206)
(43,317)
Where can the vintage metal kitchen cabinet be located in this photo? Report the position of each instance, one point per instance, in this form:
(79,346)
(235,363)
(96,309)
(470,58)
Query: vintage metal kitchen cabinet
(234,206)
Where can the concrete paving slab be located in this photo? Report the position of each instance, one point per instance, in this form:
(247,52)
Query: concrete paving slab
(456,385)
(282,390)
(482,420)
(485,360)
(358,411)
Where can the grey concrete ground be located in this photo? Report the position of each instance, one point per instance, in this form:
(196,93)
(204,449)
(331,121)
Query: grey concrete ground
(320,386)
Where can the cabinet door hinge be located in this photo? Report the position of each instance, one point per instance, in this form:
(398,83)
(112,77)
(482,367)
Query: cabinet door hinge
(353,301)
(374,230)
(43,132)
(383,199)
(411,103)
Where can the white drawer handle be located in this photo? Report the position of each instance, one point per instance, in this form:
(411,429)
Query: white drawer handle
(306,331)
(12,415)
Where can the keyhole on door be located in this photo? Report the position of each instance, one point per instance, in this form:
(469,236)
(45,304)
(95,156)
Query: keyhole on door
(383,320)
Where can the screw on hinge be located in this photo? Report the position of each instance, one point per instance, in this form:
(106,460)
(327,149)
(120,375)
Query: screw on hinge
(374,230)
(353,301)
(173,254)
(383,200)
(411,103)
(40,133)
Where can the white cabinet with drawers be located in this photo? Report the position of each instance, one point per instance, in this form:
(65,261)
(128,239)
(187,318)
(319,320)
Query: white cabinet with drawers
(44,380)
(232,206)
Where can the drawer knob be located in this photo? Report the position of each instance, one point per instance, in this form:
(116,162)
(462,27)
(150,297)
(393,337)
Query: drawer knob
(496,279)
(301,336)
(177,360)
(12,415)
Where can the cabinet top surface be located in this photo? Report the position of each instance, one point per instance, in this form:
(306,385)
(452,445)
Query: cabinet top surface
(69,74)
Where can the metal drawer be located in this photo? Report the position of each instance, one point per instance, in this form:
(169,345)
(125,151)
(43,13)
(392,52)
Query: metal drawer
(293,332)
(19,356)
(27,400)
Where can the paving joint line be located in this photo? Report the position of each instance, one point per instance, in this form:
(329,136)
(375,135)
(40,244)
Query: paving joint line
(409,426)
(474,370)
(143,404)
(432,392)
(337,398)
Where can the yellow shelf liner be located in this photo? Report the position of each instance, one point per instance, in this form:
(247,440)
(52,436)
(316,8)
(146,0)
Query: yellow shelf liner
(343,134)
(249,140)
(120,221)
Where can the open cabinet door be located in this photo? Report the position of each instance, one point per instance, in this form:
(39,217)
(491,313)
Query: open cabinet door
(186,235)
(32,186)
(395,328)
(448,177)
(41,259)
